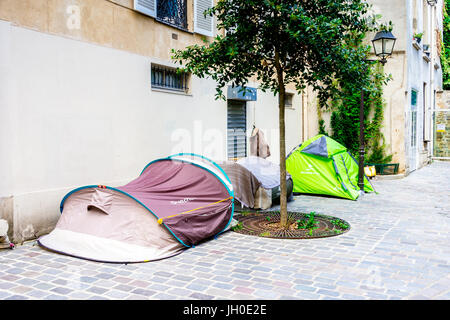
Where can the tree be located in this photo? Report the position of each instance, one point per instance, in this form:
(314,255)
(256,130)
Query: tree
(279,42)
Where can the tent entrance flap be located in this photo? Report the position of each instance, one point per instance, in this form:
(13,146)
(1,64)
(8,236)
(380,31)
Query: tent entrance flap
(346,171)
(338,175)
(96,207)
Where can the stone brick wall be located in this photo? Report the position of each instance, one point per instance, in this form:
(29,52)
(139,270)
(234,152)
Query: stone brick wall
(442,125)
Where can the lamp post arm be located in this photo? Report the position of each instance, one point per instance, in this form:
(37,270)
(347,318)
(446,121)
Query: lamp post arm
(361,140)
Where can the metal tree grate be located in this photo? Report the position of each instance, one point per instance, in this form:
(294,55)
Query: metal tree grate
(263,224)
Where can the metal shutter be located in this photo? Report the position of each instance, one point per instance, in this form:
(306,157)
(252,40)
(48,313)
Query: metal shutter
(236,130)
(202,24)
(147,7)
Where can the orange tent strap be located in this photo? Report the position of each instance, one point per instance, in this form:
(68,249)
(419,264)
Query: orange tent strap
(160,221)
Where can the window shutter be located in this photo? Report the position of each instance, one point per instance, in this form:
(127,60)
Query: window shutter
(147,7)
(203,25)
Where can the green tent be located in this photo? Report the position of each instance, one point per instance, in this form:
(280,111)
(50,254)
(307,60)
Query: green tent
(321,165)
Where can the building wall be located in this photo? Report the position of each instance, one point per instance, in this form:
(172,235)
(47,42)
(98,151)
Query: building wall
(110,23)
(410,69)
(77,107)
(394,93)
(420,80)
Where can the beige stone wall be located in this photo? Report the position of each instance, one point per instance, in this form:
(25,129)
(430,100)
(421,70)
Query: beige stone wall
(394,129)
(395,11)
(111,23)
(394,113)
(442,125)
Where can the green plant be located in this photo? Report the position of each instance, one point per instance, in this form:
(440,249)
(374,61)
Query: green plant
(377,153)
(309,222)
(345,105)
(340,224)
(444,51)
(418,35)
(265,234)
(268,218)
(322,129)
(238,226)
(386,27)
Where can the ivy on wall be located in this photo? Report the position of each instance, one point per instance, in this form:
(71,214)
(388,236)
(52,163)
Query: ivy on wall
(344,106)
(445,50)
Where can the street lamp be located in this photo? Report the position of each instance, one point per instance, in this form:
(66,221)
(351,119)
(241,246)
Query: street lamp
(383,46)
(432,2)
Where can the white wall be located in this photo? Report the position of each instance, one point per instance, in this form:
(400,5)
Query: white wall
(421,71)
(6,112)
(266,118)
(74,113)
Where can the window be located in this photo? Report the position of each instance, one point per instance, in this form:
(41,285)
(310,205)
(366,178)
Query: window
(413,118)
(172,12)
(169,78)
(288,97)
(424,115)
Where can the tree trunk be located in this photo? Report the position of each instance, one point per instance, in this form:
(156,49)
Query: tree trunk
(281,107)
(283,195)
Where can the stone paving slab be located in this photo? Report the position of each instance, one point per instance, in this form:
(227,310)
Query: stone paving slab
(397,248)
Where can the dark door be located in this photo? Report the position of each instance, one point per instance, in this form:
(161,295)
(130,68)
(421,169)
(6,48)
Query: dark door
(237,128)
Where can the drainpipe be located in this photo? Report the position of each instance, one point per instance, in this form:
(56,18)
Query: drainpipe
(304,112)
(431,87)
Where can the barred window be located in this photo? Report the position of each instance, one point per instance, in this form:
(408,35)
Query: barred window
(172,12)
(169,78)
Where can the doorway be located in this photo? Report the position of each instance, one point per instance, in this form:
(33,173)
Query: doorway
(236,129)
(413,132)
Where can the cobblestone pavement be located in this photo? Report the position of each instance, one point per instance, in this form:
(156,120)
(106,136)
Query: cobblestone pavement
(398,248)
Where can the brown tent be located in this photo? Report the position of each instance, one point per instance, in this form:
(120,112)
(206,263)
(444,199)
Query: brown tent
(174,204)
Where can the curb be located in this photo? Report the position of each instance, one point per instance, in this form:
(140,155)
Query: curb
(390,177)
